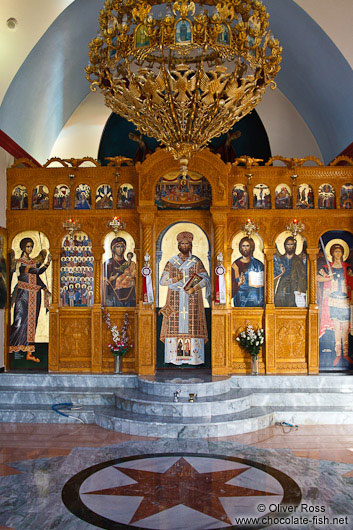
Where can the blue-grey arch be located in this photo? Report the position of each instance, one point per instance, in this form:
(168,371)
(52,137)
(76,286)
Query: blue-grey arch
(50,84)
(314,76)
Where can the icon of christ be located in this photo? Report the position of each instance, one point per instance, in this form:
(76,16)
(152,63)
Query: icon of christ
(184,316)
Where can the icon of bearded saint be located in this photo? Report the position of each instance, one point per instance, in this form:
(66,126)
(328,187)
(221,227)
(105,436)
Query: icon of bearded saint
(184,318)
(290,278)
(247,277)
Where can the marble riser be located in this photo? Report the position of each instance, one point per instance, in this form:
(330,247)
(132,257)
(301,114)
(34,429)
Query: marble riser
(320,382)
(167,389)
(144,405)
(68,380)
(51,397)
(113,381)
(218,406)
(222,405)
(178,410)
(43,416)
(303,399)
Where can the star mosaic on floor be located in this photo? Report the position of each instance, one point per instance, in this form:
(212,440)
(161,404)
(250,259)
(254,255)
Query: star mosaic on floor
(172,485)
(173,491)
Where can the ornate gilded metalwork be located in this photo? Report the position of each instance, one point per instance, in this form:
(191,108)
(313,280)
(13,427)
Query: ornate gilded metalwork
(183,72)
(250,227)
(342,158)
(118,161)
(291,163)
(116,225)
(247,161)
(71,226)
(72,162)
(296,227)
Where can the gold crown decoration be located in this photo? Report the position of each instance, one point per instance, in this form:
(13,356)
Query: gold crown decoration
(183,72)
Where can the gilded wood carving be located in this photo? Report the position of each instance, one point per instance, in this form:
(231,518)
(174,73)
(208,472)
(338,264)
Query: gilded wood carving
(78,341)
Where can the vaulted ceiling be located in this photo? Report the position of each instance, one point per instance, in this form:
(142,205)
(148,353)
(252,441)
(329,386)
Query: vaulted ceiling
(42,60)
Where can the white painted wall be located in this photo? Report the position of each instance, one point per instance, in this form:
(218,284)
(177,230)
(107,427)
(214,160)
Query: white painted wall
(81,134)
(287,132)
(33,17)
(6,161)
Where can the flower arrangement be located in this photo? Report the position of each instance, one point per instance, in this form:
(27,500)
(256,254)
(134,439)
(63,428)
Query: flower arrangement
(120,344)
(251,340)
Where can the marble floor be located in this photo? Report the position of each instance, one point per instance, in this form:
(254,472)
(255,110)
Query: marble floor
(83,477)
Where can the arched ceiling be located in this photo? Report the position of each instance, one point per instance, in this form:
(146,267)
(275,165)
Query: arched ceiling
(50,84)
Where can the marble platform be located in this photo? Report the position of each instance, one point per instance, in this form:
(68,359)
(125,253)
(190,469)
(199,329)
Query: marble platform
(146,406)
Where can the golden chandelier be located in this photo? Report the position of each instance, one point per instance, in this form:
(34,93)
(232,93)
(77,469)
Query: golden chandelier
(183,72)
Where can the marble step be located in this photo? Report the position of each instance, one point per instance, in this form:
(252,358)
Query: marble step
(318,382)
(132,400)
(192,427)
(166,386)
(67,380)
(253,419)
(250,420)
(22,413)
(52,395)
(213,385)
(135,401)
(218,385)
(233,401)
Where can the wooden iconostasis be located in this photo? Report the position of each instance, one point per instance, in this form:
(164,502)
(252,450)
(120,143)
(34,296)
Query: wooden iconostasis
(297,287)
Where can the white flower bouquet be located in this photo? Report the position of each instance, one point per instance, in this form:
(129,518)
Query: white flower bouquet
(251,340)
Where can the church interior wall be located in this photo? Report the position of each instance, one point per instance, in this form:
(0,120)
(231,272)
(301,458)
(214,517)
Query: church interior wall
(72,125)
(6,160)
(49,111)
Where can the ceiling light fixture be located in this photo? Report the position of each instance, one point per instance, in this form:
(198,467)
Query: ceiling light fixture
(11,23)
(183,72)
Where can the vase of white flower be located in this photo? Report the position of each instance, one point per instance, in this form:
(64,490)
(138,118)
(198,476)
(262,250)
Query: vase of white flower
(252,341)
